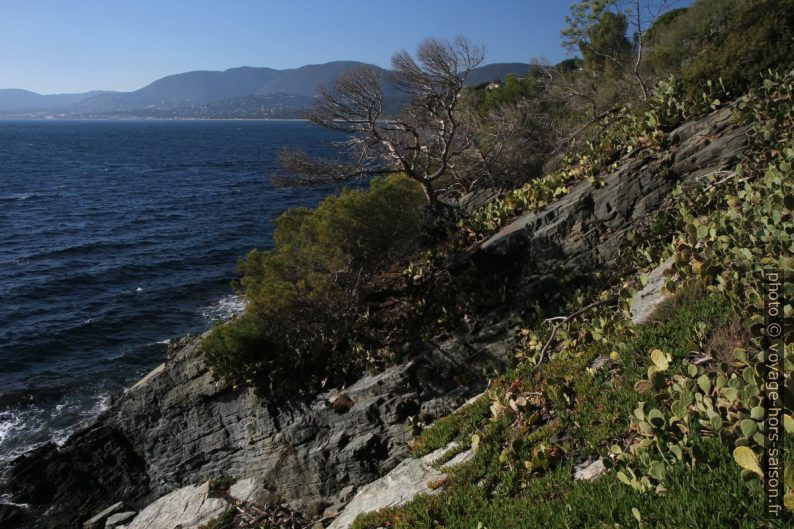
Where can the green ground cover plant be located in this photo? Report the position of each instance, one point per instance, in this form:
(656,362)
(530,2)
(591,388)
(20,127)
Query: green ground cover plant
(676,411)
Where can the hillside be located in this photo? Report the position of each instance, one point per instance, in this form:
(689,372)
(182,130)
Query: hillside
(561,302)
(244,92)
(497,71)
(537,426)
(16,100)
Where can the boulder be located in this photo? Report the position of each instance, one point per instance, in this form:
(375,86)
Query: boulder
(647,300)
(119,519)
(185,508)
(98,520)
(409,479)
(589,470)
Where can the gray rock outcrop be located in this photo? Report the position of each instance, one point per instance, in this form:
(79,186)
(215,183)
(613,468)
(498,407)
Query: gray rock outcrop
(409,479)
(186,508)
(98,520)
(252,490)
(118,520)
(585,230)
(178,426)
(647,300)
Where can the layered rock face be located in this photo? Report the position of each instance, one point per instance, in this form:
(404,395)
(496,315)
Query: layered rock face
(584,231)
(179,427)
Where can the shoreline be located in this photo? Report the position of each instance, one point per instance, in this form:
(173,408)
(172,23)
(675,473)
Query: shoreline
(105,400)
(119,118)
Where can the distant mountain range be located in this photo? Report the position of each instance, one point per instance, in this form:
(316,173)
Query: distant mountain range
(244,92)
(17,100)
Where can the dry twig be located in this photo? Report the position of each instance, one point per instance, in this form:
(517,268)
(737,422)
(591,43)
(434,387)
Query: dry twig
(565,319)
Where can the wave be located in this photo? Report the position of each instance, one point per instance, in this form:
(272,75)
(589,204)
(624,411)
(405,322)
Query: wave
(13,197)
(80,242)
(23,428)
(21,197)
(84,248)
(9,422)
(20,431)
(224,309)
(101,404)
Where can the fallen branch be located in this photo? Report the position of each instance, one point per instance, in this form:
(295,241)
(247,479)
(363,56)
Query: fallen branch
(727,175)
(702,360)
(555,318)
(565,319)
(248,514)
(566,143)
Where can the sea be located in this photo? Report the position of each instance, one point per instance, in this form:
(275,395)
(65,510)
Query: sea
(116,239)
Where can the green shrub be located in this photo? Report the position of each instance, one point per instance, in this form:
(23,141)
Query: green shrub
(220,486)
(513,91)
(305,297)
(757,37)
(234,349)
(679,35)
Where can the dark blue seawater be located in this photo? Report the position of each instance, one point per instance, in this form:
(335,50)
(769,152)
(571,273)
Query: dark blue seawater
(116,237)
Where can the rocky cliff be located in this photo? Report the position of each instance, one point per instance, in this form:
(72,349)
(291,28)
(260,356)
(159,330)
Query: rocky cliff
(585,231)
(179,427)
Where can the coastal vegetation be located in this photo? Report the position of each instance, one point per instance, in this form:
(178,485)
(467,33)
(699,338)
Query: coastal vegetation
(424,141)
(531,301)
(305,319)
(675,407)
(678,406)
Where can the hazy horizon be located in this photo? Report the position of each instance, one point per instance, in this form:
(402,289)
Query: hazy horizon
(64,48)
(485,63)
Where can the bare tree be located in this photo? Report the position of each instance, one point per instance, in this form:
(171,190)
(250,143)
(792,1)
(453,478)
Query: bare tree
(509,143)
(424,141)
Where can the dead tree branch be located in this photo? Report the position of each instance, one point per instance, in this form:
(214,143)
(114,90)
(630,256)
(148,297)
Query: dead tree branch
(424,141)
(563,321)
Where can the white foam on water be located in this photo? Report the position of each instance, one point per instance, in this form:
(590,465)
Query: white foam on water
(60,436)
(8,423)
(224,309)
(17,196)
(14,423)
(34,423)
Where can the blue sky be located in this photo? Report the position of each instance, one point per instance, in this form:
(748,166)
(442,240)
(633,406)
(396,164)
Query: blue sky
(53,46)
